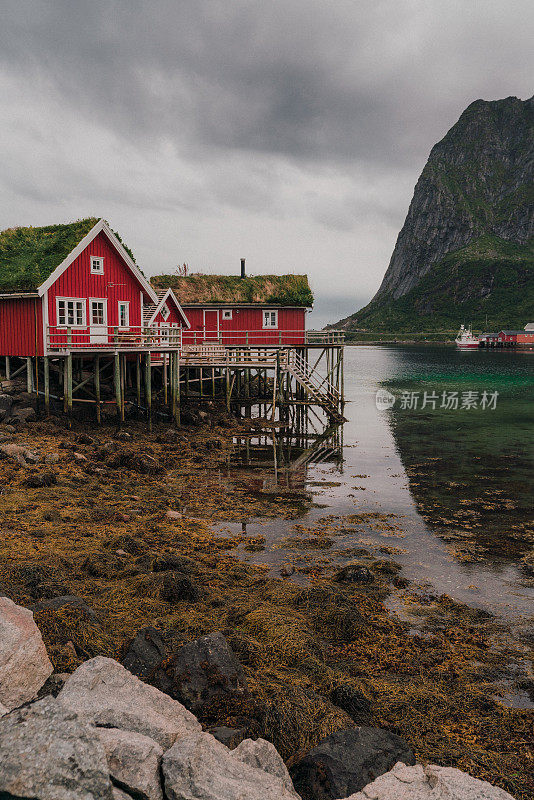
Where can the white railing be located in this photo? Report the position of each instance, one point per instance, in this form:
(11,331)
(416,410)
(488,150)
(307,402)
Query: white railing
(325,337)
(104,337)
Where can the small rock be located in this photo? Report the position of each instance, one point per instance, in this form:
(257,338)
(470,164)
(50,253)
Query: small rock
(354,573)
(144,653)
(171,514)
(200,767)
(429,783)
(24,663)
(133,761)
(41,479)
(230,737)
(109,696)
(52,458)
(177,587)
(84,438)
(355,703)
(346,761)
(123,436)
(64,601)
(48,753)
(286,570)
(79,457)
(20,454)
(203,670)
(170,561)
(23,415)
(261,754)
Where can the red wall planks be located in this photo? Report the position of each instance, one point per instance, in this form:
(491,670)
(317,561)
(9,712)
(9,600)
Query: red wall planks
(291,325)
(17,327)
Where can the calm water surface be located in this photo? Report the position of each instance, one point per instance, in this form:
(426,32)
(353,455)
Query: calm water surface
(447,493)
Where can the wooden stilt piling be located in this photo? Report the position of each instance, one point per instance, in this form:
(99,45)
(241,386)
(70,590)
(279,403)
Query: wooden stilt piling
(46,371)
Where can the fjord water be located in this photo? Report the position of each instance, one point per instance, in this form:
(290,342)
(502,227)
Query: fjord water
(447,493)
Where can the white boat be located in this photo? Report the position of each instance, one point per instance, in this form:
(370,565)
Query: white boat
(465,339)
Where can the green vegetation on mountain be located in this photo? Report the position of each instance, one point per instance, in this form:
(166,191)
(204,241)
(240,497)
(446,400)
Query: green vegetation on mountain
(465,252)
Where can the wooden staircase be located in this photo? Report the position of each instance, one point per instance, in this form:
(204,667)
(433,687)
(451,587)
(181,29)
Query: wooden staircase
(319,389)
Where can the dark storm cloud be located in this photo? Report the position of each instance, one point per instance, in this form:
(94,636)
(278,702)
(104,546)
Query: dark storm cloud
(314,80)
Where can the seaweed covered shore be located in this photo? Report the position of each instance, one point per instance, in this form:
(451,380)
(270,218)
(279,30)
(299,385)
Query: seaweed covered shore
(122,520)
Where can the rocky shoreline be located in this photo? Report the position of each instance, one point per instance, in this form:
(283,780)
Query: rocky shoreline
(107,540)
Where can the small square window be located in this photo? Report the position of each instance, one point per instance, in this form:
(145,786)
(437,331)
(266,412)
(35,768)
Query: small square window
(97,265)
(227,313)
(270,319)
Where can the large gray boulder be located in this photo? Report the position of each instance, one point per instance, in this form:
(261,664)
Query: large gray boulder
(201,768)
(133,762)
(346,761)
(24,663)
(48,753)
(109,696)
(261,754)
(429,783)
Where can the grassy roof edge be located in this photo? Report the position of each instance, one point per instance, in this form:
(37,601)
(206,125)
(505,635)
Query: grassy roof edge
(281,290)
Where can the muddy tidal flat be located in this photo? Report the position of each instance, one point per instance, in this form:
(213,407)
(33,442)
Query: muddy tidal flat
(171,530)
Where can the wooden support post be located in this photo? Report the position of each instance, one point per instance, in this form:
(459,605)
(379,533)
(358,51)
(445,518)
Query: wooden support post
(28,375)
(46,370)
(148,390)
(138,380)
(8,369)
(201,382)
(123,386)
(96,366)
(213,381)
(117,384)
(227,387)
(165,377)
(69,387)
(176,388)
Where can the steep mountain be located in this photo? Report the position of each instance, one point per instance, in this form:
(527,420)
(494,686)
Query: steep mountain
(465,251)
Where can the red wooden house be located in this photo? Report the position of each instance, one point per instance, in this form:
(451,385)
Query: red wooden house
(242,310)
(77,287)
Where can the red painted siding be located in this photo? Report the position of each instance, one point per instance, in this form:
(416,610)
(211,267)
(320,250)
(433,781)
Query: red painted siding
(17,327)
(290,330)
(116,284)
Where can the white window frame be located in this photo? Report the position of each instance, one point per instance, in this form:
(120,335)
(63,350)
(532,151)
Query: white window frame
(65,324)
(126,304)
(164,333)
(102,300)
(267,323)
(97,265)
(227,313)
(165,313)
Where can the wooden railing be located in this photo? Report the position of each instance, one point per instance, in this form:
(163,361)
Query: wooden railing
(325,337)
(103,337)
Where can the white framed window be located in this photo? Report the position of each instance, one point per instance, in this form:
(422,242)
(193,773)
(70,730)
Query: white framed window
(97,265)
(227,313)
(164,333)
(165,312)
(124,314)
(98,311)
(71,312)
(270,318)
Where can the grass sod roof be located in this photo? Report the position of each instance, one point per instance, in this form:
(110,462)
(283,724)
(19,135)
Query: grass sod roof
(198,288)
(28,256)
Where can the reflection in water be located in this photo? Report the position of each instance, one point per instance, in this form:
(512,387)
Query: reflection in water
(446,495)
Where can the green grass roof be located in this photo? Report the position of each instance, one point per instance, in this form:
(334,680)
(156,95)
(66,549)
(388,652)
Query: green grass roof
(28,256)
(280,290)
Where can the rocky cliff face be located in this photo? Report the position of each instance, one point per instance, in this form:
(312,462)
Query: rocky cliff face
(475,188)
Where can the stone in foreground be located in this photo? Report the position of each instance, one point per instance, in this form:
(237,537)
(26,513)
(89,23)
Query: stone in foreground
(346,761)
(429,783)
(105,693)
(261,754)
(133,762)
(48,753)
(201,768)
(202,670)
(24,663)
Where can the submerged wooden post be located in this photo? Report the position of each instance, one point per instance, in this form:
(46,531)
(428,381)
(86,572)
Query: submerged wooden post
(117,384)
(148,390)
(96,365)
(8,369)
(46,370)
(28,375)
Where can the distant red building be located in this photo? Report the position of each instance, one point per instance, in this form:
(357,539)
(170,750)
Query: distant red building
(240,311)
(76,285)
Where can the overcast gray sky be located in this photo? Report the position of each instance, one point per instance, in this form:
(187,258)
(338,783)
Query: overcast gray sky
(288,132)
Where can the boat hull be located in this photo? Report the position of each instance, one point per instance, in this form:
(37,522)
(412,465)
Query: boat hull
(467,346)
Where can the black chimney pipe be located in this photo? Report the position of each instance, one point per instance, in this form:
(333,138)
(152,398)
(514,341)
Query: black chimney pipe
(243,273)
